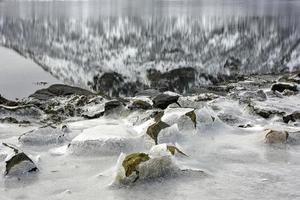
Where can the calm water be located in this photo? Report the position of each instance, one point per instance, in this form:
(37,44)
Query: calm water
(79,41)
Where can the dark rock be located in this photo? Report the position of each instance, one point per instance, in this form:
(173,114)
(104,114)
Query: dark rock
(12,120)
(110,105)
(13,165)
(280,87)
(6,102)
(292,117)
(157,115)
(245,126)
(162,101)
(140,104)
(59,90)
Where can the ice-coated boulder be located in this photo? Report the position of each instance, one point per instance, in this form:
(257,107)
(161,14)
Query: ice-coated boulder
(106,139)
(276,137)
(18,163)
(140,167)
(47,135)
(185,117)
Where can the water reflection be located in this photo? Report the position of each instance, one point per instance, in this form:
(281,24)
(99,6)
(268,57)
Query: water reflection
(79,41)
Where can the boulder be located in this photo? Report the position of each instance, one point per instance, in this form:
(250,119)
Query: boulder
(258,95)
(291,117)
(132,161)
(141,167)
(162,101)
(57,90)
(110,105)
(192,115)
(155,129)
(280,87)
(294,78)
(12,120)
(18,163)
(276,137)
(140,104)
(107,138)
(47,135)
(5,102)
(100,110)
(21,112)
(148,93)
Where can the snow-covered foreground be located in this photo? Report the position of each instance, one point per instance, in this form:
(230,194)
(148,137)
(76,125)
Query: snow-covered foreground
(224,161)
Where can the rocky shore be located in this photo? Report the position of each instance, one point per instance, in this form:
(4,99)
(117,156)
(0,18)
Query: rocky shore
(153,135)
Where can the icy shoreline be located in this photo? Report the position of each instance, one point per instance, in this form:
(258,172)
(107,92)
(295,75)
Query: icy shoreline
(222,131)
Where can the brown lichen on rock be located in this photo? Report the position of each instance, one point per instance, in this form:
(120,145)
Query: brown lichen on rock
(132,161)
(192,116)
(174,149)
(155,128)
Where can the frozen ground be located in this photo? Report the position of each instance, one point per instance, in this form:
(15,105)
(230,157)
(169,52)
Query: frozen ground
(236,161)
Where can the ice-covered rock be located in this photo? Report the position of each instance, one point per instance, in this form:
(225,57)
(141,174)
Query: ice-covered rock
(165,150)
(276,137)
(20,113)
(141,167)
(18,163)
(109,138)
(185,117)
(47,135)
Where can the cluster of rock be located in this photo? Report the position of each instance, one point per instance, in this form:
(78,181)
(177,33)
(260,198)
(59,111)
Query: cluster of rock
(155,122)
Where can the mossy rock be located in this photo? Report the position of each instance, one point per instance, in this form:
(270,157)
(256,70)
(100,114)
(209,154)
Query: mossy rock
(192,116)
(140,104)
(155,128)
(132,161)
(174,149)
